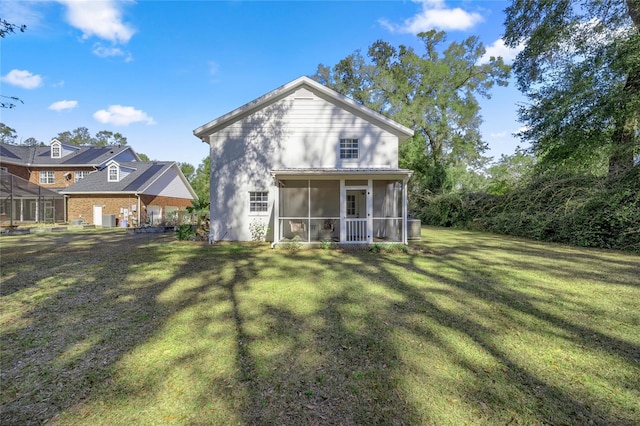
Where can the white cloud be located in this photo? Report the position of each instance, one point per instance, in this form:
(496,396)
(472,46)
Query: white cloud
(498,48)
(22,78)
(498,134)
(435,14)
(63,105)
(106,52)
(102,19)
(122,116)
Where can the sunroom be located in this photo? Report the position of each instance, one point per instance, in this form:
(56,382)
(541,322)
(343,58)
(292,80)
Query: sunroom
(358,206)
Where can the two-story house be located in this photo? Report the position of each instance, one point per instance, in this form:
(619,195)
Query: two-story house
(92,182)
(309,163)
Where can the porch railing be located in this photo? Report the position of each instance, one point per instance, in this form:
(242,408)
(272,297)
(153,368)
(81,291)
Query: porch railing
(356,230)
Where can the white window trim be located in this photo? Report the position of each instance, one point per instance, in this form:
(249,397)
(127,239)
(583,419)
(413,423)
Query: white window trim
(117,169)
(50,174)
(260,202)
(84,173)
(56,147)
(357,149)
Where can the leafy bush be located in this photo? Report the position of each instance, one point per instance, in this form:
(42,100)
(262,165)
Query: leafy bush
(447,210)
(185,232)
(258,230)
(582,210)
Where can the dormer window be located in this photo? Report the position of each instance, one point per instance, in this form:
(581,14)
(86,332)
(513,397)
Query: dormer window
(114,172)
(348,149)
(56,150)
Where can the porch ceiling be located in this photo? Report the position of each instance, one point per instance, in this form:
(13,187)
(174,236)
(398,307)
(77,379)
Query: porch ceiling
(326,173)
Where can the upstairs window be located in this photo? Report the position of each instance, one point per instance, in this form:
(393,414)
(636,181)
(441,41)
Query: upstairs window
(114,173)
(56,151)
(348,149)
(258,202)
(81,174)
(47,176)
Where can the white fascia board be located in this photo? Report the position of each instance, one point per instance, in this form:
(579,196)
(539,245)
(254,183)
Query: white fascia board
(337,173)
(205,130)
(180,175)
(99,192)
(135,154)
(61,166)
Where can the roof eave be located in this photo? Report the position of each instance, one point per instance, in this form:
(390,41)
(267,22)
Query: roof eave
(334,173)
(207,129)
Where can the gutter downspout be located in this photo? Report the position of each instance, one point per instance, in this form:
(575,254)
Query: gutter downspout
(139,204)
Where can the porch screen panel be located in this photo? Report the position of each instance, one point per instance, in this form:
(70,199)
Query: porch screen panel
(294,199)
(387,210)
(294,210)
(58,204)
(387,198)
(29,209)
(325,199)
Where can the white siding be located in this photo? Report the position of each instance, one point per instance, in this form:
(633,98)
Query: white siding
(305,132)
(169,185)
(300,130)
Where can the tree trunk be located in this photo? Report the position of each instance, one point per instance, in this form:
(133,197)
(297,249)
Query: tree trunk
(624,135)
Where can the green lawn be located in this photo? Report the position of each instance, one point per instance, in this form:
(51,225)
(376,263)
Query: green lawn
(104,328)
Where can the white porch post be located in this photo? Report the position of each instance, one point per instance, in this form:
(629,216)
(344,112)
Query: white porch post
(405,211)
(276,213)
(343,212)
(370,211)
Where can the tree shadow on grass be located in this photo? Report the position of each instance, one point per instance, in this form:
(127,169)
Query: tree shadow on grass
(126,329)
(478,279)
(72,308)
(151,331)
(313,365)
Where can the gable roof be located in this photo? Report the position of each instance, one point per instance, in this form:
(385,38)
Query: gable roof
(41,155)
(349,104)
(142,175)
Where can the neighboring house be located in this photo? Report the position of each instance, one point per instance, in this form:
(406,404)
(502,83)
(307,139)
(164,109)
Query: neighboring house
(310,164)
(98,181)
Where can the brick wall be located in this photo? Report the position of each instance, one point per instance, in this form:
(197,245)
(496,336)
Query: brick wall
(156,200)
(60,180)
(81,206)
(20,171)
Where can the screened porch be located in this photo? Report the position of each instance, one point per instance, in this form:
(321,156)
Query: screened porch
(24,202)
(348,210)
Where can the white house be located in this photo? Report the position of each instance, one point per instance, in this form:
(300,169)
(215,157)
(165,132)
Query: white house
(311,164)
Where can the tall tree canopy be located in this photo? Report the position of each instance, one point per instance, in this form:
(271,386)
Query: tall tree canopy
(434,93)
(82,136)
(200,180)
(7,134)
(581,70)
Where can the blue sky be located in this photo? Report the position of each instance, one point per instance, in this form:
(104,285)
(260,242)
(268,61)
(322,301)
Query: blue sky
(156,70)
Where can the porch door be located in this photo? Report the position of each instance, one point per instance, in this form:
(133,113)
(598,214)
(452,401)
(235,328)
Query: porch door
(97,215)
(356,220)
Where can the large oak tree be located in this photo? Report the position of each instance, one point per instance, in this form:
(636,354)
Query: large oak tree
(580,69)
(432,92)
